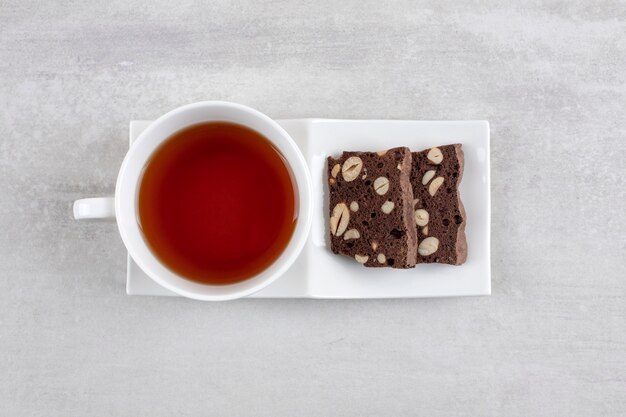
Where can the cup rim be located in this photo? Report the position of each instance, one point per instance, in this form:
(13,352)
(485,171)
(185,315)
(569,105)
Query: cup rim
(127,185)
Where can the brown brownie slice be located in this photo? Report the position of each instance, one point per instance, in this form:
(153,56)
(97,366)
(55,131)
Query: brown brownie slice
(371,215)
(439,212)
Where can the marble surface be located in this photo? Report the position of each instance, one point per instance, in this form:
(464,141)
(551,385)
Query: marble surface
(548,75)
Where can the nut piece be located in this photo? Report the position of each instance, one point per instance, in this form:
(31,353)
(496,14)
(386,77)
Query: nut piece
(415,201)
(381,258)
(428,246)
(387,207)
(335,170)
(381,185)
(421,217)
(339,219)
(351,168)
(428,175)
(374,245)
(332,181)
(381,153)
(434,186)
(435,156)
(354,206)
(361,258)
(351,234)
(425,230)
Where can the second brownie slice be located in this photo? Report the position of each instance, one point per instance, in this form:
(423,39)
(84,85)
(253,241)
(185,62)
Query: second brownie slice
(370,211)
(439,211)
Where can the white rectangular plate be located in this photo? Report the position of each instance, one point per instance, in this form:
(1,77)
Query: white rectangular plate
(318,273)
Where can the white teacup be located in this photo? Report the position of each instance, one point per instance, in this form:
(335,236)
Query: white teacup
(124,205)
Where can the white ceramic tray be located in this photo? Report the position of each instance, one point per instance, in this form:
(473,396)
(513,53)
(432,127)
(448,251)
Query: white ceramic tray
(318,273)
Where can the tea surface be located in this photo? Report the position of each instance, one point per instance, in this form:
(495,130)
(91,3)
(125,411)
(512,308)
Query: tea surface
(217,203)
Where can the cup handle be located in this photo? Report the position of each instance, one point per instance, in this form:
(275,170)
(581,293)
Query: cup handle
(94,208)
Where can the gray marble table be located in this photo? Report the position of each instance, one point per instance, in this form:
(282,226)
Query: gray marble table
(550,77)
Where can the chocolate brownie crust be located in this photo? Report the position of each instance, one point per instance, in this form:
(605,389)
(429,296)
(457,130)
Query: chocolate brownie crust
(370,210)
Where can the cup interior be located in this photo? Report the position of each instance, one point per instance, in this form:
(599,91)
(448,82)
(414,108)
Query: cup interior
(129,181)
